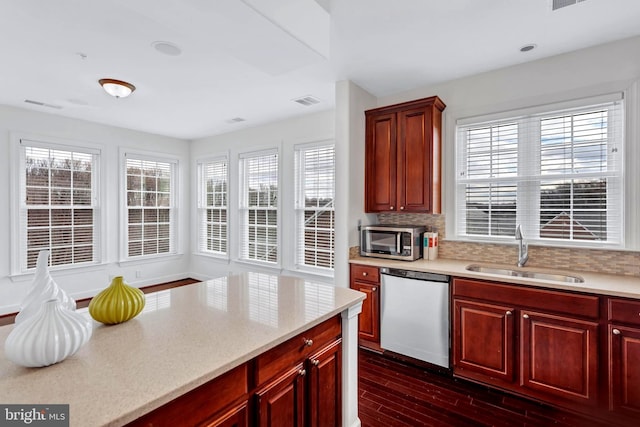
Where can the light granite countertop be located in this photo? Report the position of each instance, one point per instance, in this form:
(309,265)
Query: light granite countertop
(604,284)
(185,337)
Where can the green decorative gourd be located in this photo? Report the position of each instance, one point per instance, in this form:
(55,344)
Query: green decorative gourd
(116,304)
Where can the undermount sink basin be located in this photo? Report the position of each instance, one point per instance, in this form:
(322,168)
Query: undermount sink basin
(525,273)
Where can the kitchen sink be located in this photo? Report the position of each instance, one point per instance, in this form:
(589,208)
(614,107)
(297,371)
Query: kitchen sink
(525,273)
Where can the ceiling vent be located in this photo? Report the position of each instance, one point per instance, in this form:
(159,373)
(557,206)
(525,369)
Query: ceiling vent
(307,101)
(559,4)
(236,120)
(43,104)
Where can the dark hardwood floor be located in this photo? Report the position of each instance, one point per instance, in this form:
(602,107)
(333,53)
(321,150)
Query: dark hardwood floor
(394,393)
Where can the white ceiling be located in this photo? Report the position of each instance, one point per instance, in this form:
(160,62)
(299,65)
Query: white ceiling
(250,58)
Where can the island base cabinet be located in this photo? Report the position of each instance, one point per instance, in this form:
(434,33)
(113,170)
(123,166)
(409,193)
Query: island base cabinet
(325,387)
(282,402)
(559,357)
(235,417)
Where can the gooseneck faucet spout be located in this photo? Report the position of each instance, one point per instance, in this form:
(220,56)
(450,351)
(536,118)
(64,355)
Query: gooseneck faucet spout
(523,249)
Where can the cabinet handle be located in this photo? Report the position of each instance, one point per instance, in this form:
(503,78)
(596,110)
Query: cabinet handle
(401,208)
(616,331)
(308,343)
(508,313)
(315,362)
(374,289)
(365,274)
(302,372)
(390,207)
(526,316)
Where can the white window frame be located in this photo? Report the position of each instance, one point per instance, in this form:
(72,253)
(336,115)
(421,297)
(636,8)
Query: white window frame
(202,207)
(300,208)
(243,208)
(124,211)
(19,207)
(528,193)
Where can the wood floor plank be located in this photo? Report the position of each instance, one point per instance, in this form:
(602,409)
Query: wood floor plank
(396,393)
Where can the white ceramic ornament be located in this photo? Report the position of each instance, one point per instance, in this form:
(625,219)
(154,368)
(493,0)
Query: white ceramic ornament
(47,337)
(42,289)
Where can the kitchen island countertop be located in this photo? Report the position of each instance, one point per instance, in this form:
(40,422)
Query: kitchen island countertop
(185,337)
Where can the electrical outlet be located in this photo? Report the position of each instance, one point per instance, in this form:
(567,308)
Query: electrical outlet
(138,274)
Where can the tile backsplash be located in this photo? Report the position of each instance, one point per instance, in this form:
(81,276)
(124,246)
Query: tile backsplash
(575,259)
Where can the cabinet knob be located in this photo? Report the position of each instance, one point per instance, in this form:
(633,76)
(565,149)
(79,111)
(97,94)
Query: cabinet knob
(308,343)
(390,207)
(508,313)
(302,372)
(315,362)
(401,208)
(616,331)
(374,289)
(364,273)
(526,316)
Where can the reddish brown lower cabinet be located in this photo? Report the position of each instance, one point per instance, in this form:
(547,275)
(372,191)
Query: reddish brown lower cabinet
(623,335)
(536,342)
(282,401)
(325,386)
(559,357)
(235,417)
(484,341)
(366,279)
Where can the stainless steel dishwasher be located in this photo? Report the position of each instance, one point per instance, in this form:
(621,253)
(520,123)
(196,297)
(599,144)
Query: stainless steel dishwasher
(415,315)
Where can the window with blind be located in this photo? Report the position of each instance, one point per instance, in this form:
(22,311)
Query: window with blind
(557,172)
(212,205)
(259,207)
(315,212)
(59,204)
(150,209)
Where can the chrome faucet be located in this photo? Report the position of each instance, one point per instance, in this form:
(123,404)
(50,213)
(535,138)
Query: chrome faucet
(523,249)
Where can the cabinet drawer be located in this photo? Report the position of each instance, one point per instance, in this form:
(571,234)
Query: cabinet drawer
(529,297)
(625,311)
(365,273)
(296,350)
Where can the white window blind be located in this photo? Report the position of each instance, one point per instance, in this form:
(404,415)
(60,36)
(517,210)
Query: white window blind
(59,205)
(315,212)
(150,207)
(259,207)
(213,225)
(556,172)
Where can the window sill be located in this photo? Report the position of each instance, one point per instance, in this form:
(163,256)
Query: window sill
(149,259)
(543,243)
(59,271)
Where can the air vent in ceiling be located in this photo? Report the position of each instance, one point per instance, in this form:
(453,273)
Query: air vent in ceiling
(307,101)
(236,120)
(43,104)
(559,4)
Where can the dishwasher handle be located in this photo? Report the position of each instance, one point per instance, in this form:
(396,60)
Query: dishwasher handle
(416,275)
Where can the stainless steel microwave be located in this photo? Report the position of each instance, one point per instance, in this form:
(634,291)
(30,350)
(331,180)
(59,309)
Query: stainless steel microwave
(403,242)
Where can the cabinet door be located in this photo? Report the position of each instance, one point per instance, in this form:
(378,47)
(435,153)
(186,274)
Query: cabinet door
(624,368)
(369,320)
(380,168)
(236,417)
(325,386)
(559,357)
(281,402)
(483,343)
(415,160)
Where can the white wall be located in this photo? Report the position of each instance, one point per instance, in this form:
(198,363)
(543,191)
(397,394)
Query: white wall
(87,281)
(283,135)
(594,71)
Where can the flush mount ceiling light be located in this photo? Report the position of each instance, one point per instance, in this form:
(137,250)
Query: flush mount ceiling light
(117,88)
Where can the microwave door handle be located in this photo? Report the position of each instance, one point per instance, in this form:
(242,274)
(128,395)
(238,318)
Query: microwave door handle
(398,243)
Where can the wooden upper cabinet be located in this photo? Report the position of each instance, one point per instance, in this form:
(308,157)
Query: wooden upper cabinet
(402,168)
